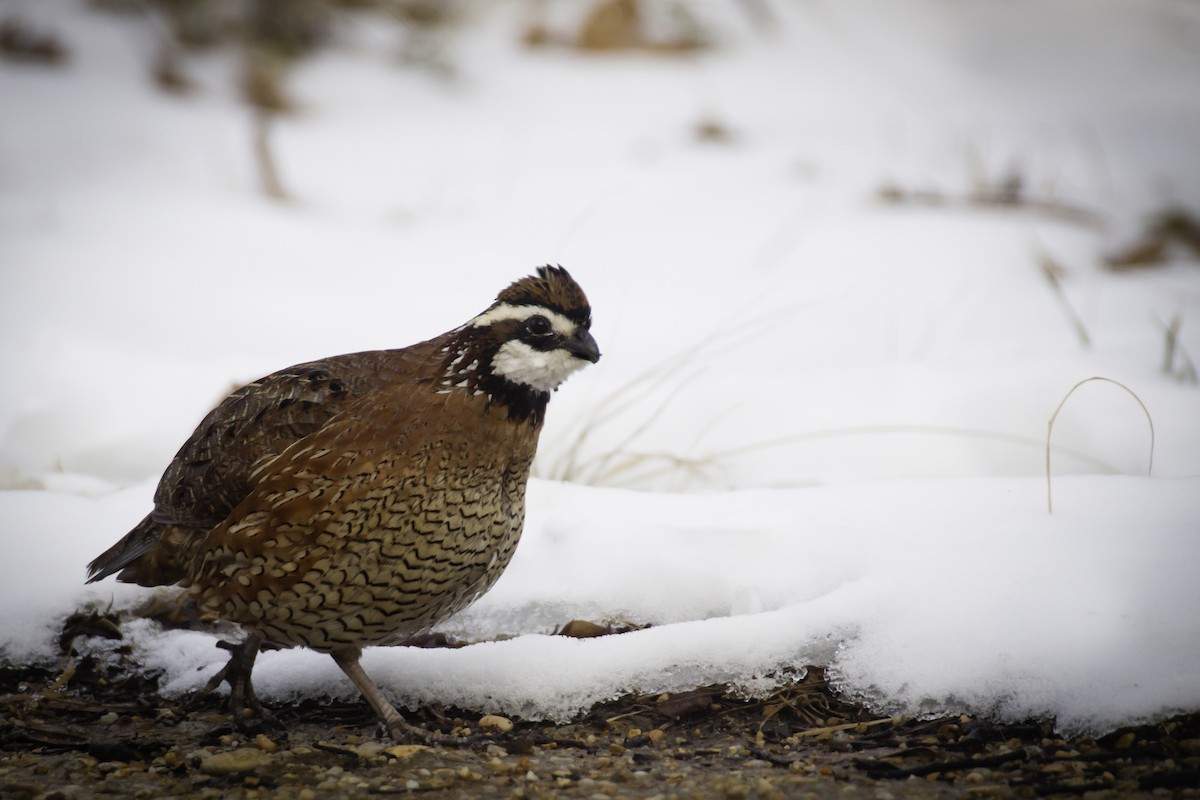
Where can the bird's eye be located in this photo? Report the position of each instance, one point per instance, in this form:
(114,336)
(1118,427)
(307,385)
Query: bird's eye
(538,325)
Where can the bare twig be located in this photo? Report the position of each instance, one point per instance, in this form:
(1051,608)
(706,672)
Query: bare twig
(263,155)
(1053,272)
(1176,352)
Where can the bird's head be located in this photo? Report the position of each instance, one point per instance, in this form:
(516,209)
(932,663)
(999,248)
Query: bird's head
(531,339)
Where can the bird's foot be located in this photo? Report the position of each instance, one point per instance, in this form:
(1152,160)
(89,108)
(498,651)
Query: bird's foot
(243,703)
(401,731)
(405,732)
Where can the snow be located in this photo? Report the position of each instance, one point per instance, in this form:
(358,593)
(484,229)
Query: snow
(816,434)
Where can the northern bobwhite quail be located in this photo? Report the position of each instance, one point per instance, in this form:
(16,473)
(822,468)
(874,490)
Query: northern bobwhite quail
(362,499)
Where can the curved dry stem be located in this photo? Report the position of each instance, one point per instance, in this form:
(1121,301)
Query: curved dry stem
(726,336)
(1054,416)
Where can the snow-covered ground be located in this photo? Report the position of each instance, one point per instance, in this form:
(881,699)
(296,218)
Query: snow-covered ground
(817,432)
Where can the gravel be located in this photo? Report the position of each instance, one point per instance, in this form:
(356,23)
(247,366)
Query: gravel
(91,731)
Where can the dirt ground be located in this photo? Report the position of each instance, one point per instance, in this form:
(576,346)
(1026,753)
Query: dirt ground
(85,730)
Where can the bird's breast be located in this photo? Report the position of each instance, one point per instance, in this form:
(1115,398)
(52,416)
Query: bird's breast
(372,545)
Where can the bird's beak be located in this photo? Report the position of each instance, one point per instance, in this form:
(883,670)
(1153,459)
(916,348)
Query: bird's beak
(582,345)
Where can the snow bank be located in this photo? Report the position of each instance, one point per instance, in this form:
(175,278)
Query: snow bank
(920,596)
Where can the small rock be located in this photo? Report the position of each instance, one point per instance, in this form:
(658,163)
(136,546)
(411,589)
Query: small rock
(62,793)
(404,751)
(736,791)
(1126,741)
(109,718)
(267,745)
(233,761)
(494,722)
(367,749)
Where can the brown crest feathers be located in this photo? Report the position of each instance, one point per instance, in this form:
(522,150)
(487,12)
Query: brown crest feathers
(553,288)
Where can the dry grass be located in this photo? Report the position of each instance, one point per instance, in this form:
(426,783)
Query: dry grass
(1007,193)
(1174,229)
(622,26)
(1177,362)
(1054,272)
(23,43)
(621,416)
(1007,189)
(1054,416)
(611,416)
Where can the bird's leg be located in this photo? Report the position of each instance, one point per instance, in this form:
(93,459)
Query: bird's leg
(401,731)
(237,674)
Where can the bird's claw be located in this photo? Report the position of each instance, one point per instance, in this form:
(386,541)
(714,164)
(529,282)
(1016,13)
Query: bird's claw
(243,703)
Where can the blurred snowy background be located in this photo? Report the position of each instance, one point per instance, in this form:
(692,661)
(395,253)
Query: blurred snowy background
(845,258)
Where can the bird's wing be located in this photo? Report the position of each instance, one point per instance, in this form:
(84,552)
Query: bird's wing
(211,473)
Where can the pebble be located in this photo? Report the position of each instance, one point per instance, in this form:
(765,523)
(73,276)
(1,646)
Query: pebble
(367,749)
(495,722)
(233,761)
(267,745)
(62,793)
(109,718)
(405,751)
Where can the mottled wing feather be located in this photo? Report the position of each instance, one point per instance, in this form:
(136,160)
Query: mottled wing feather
(132,547)
(346,460)
(212,471)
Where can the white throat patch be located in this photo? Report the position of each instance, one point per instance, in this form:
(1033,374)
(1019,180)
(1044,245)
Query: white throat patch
(517,362)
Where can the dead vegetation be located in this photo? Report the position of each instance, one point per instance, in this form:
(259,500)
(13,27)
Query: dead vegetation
(268,37)
(1171,234)
(1172,230)
(1059,408)
(1005,193)
(22,43)
(616,26)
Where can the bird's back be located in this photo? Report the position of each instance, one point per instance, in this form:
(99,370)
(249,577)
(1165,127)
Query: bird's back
(212,472)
